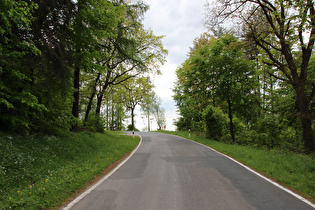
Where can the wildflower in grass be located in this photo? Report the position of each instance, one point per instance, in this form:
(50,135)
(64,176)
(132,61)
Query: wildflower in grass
(10,198)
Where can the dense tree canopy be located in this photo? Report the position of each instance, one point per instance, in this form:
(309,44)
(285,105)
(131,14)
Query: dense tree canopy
(282,35)
(60,61)
(231,95)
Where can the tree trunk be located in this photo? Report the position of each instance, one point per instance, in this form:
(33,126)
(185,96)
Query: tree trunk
(148,121)
(132,118)
(89,107)
(76,96)
(306,120)
(231,120)
(113,115)
(99,104)
(100,99)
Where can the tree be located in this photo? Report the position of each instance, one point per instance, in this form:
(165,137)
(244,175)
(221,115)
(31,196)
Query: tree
(19,106)
(285,32)
(187,100)
(235,77)
(147,106)
(134,93)
(132,52)
(51,72)
(57,57)
(145,56)
(95,21)
(217,73)
(159,112)
(215,122)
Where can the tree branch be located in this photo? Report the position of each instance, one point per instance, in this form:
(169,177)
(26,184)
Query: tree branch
(279,78)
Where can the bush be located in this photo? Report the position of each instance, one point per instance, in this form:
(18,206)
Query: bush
(131,128)
(291,139)
(239,128)
(215,123)
(248,137)
(268,132)
(95,123)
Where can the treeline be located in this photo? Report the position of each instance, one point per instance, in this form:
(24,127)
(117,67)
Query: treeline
(68,64)
(253,84)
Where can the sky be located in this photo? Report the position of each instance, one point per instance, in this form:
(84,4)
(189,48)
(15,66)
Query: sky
(181,21)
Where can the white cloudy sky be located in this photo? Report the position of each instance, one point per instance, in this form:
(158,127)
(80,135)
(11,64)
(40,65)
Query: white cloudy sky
(181,22)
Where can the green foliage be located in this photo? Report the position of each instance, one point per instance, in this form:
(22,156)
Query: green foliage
(215,122)
(288,55)
(263,110)
(217,72)
(268,130)
(95,123)
(134,94)
(41,172)
(131,128)
(19,107)
(42,45)
(216,125)
(291,139)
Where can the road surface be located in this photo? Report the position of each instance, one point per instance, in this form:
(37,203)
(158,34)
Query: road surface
(169,172)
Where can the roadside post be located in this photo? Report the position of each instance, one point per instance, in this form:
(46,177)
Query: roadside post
(189,132)
(133,133)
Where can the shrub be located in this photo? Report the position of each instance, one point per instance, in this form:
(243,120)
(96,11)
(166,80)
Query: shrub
(131,128)
(95,123)
(269,129)
(239,128)
(215,122)
(291,139)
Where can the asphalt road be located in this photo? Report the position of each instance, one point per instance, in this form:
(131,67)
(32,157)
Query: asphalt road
(169,172)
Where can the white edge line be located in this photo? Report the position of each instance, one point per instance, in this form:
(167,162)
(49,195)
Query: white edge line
(82,195)
(255,172)
(260,175)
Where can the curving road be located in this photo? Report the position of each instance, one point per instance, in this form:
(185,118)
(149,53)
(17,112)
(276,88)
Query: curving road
(169,172)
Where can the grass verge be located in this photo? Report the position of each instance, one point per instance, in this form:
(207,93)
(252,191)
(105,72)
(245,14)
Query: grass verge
(295,171)
(41,172)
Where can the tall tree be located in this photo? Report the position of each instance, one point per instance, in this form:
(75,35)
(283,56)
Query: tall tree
(147,107)
(95,21)
(159,112)
(114,51)
(145,56)
(19,106)
(134,93)
(285,32)
(218,72)
(51,70)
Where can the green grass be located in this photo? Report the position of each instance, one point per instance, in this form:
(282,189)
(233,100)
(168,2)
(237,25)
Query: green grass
(41,172)
(295,171)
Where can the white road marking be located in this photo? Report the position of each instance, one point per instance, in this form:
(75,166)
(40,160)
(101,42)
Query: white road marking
(81,196)
(260,175)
